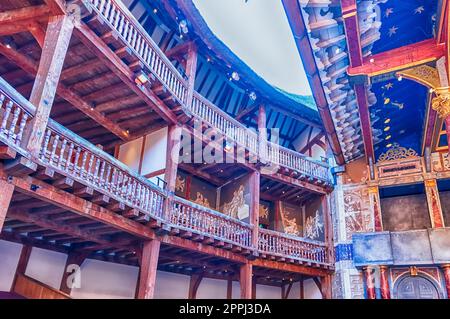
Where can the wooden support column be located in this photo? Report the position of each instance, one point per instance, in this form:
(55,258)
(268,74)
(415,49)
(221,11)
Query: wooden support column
(384,283)
(6,193)
(73,258)
(369,279)
(328,226)
(278,223)
(172,156)
(325,284)
(254,207)
(446,270)
(194,283)
(245,280)
(434,203)
(56,43)
(149,265)
(262,130)
(374,199)
(302,288)
(229,289)
(22,264)
(191,72)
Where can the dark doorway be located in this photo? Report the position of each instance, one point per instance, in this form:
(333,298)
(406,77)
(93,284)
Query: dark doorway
(416,288)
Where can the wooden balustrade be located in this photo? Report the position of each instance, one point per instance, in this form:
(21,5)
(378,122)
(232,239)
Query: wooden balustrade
(204,221)
(287,246)
(119,18)
(116,15)
(14,118)
(75,157)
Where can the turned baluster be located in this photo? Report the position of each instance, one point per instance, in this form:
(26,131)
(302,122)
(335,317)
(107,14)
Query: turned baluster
(23,122)
(126,29)
(114,185)
(83,172)
(90,167)
(43,154)
(107,7)
(3,129)
(76,167)
(124,188)
(61,153)
(54,148)
(69,157)
(101,177)
(107,178)
(96,179)
(101,6)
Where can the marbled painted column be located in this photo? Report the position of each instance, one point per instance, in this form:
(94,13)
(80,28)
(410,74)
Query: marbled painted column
(384,283)
(369,278)
(446,270)
(434,203)
(374,199)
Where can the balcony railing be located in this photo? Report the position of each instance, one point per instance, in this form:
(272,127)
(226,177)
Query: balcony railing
(204,221)
(292,247)
(117,16)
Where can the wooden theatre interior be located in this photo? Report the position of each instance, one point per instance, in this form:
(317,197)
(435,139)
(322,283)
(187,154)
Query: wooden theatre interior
(105,105)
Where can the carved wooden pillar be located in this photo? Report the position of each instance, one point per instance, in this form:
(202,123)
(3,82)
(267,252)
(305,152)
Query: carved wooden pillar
(229,289)
(245,279)
(191,72)
(384,283)
(194,283)
(254,207)
(262,130)
(56,43)
(374,200)
(369,277)
(325,286)
(328,226)
(6,193)
(434,203)
(149,265)
(446,270)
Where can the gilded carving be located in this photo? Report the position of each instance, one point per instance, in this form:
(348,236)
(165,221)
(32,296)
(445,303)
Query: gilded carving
(357,212)
(232,208)
(202,200)
(396,153)
(441,103)
(263,211)
(180,184)
(313,226)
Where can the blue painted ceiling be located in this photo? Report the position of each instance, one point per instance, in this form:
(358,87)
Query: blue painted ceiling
(405,22)
(399,115)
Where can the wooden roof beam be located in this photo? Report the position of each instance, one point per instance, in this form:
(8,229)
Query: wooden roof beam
(57,7)
(23,15)
(399,59)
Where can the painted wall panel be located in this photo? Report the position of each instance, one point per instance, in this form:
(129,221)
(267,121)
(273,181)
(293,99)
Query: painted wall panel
(10,254)
(46,266)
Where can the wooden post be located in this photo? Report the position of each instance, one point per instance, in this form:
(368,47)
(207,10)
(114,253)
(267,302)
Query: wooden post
(370,282)
(172,156)
(149,265)
(229,289)
(262,130)
(446,270)
(384,283)
(374,199)
(22,264)
(325,284)
(6,193)
(194,283)
(56,43)
(254,207)
(434,204)
(245,280)
(302,288)
(278,223)
(73,258)
(328,226)
(253,287)
(191,72)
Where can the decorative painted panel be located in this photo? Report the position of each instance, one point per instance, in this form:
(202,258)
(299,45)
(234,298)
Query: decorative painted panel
(235,199)
(314,220)
(358,214)
(291,219)
(357,286)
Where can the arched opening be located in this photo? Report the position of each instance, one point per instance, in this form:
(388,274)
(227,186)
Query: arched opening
(416,287)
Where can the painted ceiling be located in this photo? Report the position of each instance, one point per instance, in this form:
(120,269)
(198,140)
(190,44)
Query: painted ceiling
(398,116)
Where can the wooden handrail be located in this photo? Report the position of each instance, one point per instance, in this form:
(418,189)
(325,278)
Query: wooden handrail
(293,247)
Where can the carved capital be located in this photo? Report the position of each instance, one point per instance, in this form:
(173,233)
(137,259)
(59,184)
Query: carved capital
(441,103)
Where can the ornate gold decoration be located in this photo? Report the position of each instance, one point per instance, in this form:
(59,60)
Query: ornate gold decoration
(413,270)
(430,183)
(397,152)
(373,190)
(180,183)
(202,200)
(423,74)
(232,208)
(263,211)
(441,103)
(313,226)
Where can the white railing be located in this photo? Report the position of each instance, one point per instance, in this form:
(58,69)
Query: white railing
(204,221)
(287,246)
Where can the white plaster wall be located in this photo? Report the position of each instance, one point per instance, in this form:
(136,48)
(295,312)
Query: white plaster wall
(311,290)
(130,154)
(212,289)
(155,149)
(171,286)
(236,290)
(104,280)
(268,292)
(9,257)
(295,291)
(46,266)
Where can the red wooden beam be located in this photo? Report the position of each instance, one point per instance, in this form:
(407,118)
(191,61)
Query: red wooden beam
(295,18)
(22,15)
(245,280)
(149,264)
(350,16)
(398,59)
(6,193)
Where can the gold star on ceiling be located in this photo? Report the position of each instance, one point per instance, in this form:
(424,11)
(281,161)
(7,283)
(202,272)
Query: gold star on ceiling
(419,10)
(392,30)
(389,86)
(388,12)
